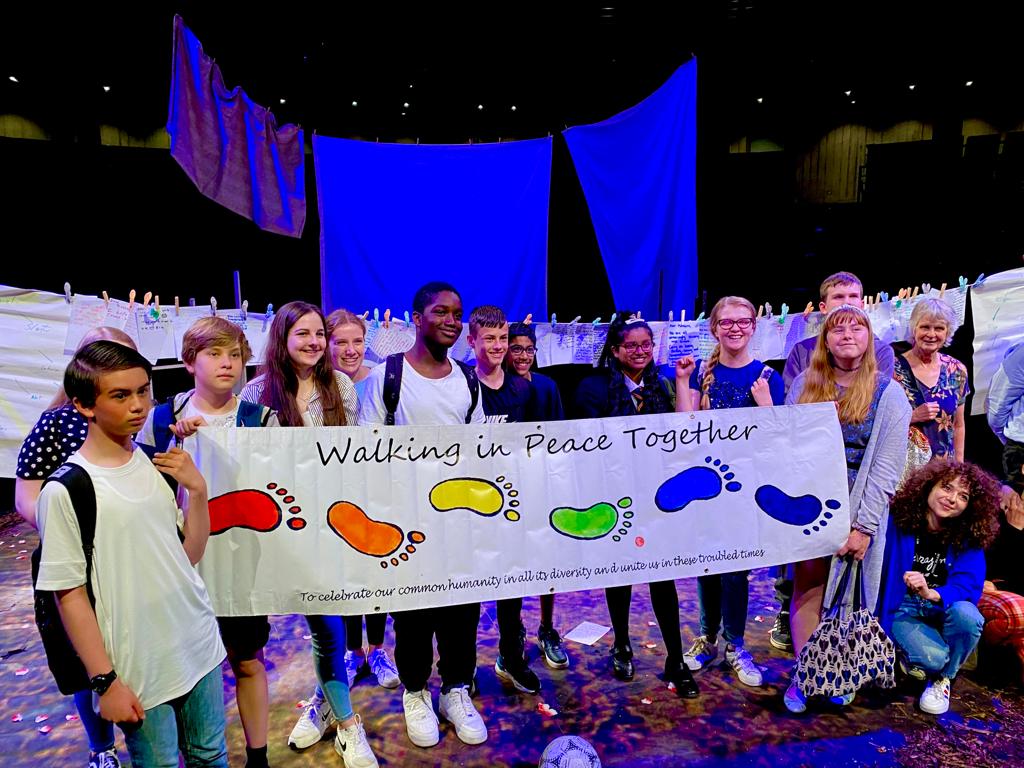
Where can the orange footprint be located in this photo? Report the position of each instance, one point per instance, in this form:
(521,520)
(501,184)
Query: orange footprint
(368,536)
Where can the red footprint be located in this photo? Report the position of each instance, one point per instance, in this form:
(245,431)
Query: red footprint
(250,509)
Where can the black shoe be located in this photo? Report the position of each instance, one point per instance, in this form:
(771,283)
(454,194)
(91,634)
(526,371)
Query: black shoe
(682,678)
(622,662)
(779,637)
(519,675)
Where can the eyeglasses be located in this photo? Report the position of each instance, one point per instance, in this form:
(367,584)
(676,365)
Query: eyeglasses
(743,323)
(633,346)
(515,349)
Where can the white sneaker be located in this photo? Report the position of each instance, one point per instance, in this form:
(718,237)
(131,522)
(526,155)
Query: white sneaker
(420,720)
(312,724)
(351,744)
(354,664)
(384,668)
(794,699)
(457,708)
(746,670)
(935,699)
(701,653)
(843,701)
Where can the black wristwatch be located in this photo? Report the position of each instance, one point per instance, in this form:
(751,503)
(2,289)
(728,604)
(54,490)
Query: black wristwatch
(100,683)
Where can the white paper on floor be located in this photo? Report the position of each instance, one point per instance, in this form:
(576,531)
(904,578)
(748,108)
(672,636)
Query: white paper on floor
(587,633)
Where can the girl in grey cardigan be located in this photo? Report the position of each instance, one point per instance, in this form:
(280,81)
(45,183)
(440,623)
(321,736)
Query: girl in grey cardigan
(874,416)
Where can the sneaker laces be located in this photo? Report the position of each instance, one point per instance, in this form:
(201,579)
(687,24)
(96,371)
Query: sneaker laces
(314,711)
(700,647)
(380,661)
(741,660)
(419,709)
(462,702)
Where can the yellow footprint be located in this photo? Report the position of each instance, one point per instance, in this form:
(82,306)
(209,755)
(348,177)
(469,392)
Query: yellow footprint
(482,497)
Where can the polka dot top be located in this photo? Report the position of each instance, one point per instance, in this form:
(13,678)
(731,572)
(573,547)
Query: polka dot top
(56,435)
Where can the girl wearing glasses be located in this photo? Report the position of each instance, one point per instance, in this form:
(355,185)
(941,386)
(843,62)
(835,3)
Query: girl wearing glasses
(627,383)
(729,378)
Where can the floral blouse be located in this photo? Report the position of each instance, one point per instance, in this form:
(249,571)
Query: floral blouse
(950,392)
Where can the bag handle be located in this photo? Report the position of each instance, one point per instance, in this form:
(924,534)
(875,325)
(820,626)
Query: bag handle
(858,589)
(839,597)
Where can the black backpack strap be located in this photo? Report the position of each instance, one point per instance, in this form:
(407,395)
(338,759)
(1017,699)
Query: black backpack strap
(474,387)
(392,385)
(83,499)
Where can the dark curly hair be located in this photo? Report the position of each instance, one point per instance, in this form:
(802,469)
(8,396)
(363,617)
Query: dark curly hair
(977,526)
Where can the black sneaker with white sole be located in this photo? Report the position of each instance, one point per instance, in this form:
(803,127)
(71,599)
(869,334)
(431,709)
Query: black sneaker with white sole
(521,676)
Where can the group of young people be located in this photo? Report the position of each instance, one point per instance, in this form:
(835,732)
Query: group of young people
(124,601)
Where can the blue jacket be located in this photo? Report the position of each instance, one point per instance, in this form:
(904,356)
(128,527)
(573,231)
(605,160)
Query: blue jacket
(965,579)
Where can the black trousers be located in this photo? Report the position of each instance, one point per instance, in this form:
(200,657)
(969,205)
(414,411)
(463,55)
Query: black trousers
(455,627)
(1013,461)
(375,623)
(664,600)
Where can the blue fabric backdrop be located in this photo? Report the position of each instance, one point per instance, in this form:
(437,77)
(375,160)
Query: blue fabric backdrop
(395,216)
(638,171)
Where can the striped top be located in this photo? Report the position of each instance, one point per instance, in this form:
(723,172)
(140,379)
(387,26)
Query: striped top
(314,415)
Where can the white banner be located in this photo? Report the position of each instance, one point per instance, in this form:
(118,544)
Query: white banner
(998,308)
(350,520)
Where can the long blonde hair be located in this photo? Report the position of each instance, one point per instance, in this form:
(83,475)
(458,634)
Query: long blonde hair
(99,333)
(820,378)
(708,377)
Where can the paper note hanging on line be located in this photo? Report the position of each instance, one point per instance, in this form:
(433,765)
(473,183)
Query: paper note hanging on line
(118,316)
(998,307)
(87,312)
(156,334)
(252,325)
(586,632)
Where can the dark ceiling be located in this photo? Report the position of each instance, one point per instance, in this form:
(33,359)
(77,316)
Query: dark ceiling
(559,64)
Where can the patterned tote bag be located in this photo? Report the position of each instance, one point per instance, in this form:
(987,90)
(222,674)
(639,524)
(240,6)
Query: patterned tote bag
(849,648)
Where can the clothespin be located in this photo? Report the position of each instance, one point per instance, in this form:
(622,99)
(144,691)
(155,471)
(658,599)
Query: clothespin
(213,306)
(670,316)
(387,318)
(700,317)
(191,301)
(145,300)
(376,317)
(131,300)
(245,310)
(942,291)
(365,315)
(639,315)
(980,280)
(810,308)
(899,297)
(177,307)
(925,288)
(106,298)
(578,318)
(963,284)
(528,319)
(760,311)
(869,303)
(785,311)
(614,315)
(407,321)
(597,321)
(156,307)
(878,298)
(553,318)
(768,309)
(268,316)
(67,292)
(914,294)
(682,315)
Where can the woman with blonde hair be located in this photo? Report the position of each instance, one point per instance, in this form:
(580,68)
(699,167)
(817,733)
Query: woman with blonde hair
(729,378)
(874,416)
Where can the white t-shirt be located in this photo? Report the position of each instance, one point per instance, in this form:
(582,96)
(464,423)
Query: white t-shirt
(422,401)
(151,605)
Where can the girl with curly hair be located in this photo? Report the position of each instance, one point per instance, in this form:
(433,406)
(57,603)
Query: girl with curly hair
(942,518)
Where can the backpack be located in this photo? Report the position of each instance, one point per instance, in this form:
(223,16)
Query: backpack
(393,386)
(67,669)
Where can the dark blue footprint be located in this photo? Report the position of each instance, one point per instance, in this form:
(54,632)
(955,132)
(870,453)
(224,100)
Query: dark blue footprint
(794,510)
(695,484)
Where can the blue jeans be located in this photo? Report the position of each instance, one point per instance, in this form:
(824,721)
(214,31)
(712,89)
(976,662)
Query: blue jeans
(99,731)
(937,638)
(193,724)
(723,604)
(328,633)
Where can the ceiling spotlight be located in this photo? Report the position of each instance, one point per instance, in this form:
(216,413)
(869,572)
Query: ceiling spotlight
(282,101)
(969,83)
(403,114)
(106,89)
(912,86)
(410,85)
(406,105)
(847,92)
(760,100)
(479,106)
(355,103)
(13,79)
(853,101)
(513,107)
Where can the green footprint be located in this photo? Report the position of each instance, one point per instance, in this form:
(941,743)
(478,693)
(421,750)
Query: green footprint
(593,522)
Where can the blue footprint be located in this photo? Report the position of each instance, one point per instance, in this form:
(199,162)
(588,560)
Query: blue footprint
(695,484)
(794,510)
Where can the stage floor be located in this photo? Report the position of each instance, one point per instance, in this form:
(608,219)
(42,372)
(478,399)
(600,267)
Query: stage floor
(730,725)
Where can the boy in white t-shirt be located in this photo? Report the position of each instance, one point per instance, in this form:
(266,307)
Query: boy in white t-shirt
(215,352)
(149,643)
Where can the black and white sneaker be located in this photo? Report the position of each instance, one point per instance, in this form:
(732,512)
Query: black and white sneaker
(554,655)
(520,675)
(106,759)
